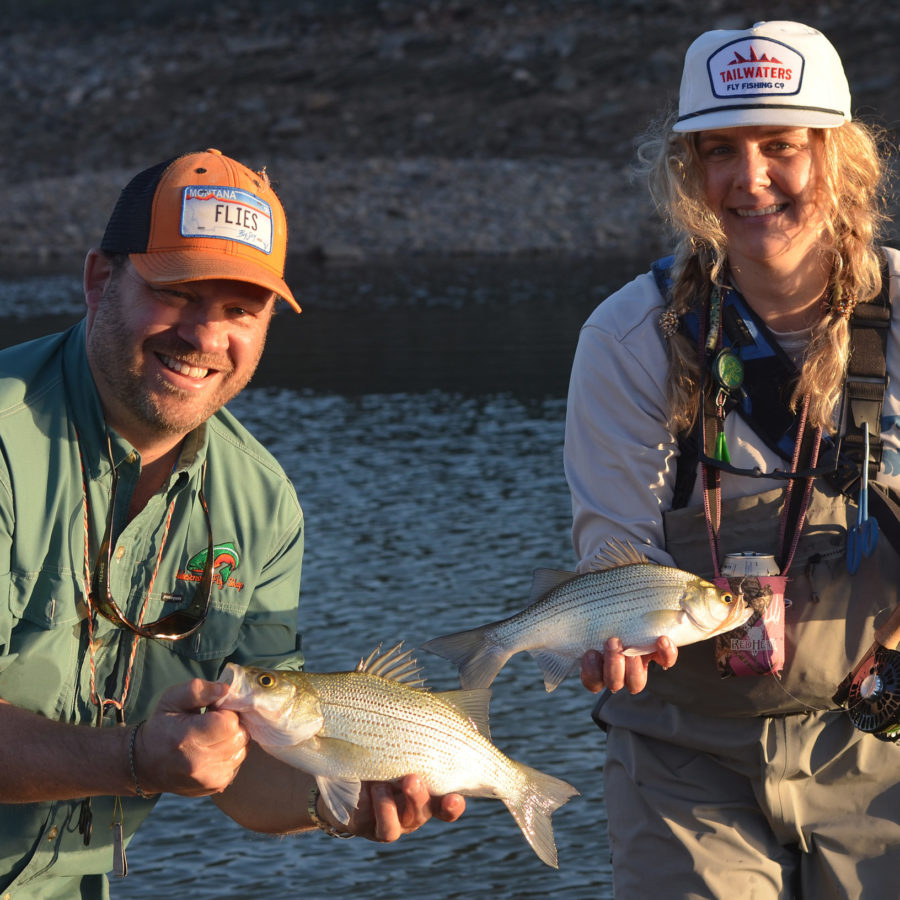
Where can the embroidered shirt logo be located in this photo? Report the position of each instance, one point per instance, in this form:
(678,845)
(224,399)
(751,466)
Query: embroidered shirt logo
(225,560)
(755,67)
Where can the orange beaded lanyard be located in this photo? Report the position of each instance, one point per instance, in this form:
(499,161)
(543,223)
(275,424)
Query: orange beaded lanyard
(119,705)
(85,821)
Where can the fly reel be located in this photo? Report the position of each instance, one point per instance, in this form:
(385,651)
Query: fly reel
(871,692)
(873,703)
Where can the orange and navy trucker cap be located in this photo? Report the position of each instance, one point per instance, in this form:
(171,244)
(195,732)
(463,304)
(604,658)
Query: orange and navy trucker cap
(201,216)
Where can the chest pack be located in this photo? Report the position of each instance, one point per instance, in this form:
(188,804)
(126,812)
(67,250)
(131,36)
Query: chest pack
(769,376)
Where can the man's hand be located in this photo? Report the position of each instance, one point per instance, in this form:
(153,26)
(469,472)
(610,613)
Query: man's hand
(388,810)
(182,752)
(614,670)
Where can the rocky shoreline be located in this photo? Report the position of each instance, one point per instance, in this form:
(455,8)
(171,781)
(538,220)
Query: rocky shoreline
(392,129)
(374,209)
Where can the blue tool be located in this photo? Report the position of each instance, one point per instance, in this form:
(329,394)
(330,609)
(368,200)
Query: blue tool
(863,536)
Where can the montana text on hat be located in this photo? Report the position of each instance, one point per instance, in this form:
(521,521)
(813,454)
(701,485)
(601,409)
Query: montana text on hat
(202,216)
(775,73)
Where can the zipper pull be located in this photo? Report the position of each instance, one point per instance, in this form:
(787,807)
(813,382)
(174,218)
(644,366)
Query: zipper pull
(120,863)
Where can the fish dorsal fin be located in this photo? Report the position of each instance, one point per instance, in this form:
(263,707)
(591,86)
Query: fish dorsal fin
(473,705)
(619,553)
(395,664)
(544,580)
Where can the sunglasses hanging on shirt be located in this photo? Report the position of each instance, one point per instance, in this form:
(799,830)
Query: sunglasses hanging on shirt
(174,626)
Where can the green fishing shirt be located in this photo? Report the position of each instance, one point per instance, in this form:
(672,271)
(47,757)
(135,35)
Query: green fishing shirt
(53,451)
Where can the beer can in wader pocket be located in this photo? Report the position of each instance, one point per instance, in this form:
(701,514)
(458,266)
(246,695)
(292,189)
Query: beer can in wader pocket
(750,563)
(757,646)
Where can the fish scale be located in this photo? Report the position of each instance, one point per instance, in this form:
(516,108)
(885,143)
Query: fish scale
(620,595)
(348,727)
(353,712)
(632,599)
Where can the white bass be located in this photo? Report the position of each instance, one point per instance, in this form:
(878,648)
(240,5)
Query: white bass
(631,598)
(380,723)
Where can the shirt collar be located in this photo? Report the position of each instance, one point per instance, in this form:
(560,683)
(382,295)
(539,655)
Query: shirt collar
(91,428)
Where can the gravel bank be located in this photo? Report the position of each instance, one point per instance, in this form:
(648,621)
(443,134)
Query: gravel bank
(354,210)
(393,129)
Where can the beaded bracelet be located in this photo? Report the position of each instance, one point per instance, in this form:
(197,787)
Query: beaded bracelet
(132,738)
(321,824)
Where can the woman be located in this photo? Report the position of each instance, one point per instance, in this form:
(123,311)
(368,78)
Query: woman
(719,782)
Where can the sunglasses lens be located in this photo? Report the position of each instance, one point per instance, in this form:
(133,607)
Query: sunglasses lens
(174,626)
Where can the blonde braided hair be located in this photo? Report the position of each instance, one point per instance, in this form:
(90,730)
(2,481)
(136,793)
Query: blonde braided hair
(852,202)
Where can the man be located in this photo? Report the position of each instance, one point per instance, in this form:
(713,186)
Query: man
(146,538)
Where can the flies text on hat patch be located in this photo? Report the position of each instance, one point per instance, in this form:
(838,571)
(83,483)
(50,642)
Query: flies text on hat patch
(754,67)
(229,213)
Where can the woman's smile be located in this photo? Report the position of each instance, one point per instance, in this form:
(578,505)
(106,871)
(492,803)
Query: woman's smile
(761,184)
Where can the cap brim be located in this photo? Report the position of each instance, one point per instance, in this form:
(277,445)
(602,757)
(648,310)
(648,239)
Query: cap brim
(183,267)
(791,117)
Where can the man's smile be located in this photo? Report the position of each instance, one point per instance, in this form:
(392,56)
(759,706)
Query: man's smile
(183,368)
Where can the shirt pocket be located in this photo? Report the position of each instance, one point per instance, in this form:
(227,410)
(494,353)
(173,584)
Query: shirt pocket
(220,632)
(41,639)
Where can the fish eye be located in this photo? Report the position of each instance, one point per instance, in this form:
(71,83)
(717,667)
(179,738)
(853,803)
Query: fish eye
(266,680)
(728,597)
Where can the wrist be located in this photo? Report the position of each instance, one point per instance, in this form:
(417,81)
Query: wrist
(132,763)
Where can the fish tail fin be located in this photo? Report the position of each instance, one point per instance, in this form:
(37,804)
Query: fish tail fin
(474,653)
(533,807)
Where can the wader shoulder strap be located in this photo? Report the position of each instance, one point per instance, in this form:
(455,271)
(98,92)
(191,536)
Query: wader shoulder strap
(768,379)
(864,388)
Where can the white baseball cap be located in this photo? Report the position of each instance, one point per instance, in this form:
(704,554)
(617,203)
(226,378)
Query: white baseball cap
(775,73)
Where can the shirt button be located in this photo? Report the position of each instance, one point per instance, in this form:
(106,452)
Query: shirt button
(120,552)
(52,835)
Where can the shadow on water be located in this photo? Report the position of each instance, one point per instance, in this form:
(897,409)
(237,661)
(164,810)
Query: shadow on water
(466,327)
(419,411)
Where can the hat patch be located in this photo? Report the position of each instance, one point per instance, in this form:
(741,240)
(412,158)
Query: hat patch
(755,67)
(232,214)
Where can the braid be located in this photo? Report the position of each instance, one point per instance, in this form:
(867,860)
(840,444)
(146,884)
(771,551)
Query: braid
(852,202)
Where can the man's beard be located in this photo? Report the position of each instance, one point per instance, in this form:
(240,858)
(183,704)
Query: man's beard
(155,404)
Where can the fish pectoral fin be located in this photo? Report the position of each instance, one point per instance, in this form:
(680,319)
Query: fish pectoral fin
(659,622)
(556,666)
(341,796)
(472,705)
(662,619)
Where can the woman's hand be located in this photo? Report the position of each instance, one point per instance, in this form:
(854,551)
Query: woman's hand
(614,670)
